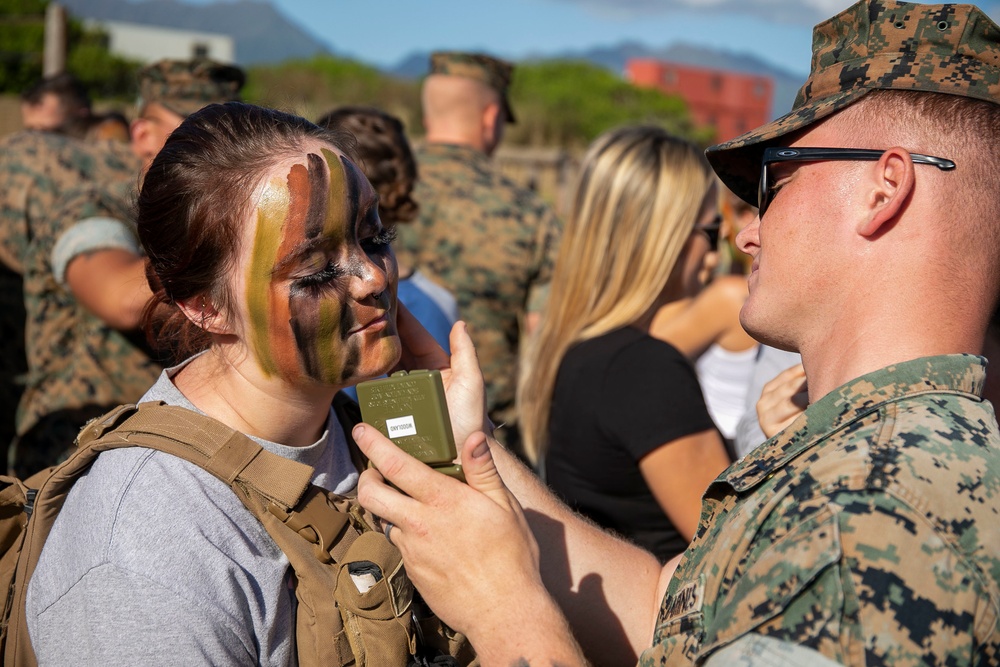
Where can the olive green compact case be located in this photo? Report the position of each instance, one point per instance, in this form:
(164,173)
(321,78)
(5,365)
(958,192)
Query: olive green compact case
(410,409)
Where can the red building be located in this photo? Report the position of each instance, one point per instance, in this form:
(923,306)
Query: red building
(730,102)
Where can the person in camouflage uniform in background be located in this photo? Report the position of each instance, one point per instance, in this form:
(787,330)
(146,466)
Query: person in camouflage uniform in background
(36,167)
(489,241)
(84,276)
(868,531)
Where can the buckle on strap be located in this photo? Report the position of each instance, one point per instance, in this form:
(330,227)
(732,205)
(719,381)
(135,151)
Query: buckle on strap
(321,524)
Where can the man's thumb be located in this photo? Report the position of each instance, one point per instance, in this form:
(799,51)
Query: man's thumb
(480,470)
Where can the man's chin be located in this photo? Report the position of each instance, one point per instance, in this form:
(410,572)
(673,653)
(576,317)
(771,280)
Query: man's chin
(766,331)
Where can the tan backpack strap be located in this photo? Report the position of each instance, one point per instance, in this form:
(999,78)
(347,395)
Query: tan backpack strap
(208,443)
(303,519)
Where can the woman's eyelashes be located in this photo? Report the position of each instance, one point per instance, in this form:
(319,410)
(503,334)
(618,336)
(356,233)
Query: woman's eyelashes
(379,241)
(325,270)
(329,273)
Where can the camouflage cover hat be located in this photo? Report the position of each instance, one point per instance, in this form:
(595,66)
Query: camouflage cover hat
(494,72)
(876,44)
(184,86)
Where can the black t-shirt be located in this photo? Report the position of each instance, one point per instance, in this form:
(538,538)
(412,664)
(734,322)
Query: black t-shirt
(617,398)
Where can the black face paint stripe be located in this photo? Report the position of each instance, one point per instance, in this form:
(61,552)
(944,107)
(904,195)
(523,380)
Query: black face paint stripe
(318,201)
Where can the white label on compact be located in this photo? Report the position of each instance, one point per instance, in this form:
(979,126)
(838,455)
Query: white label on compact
(401,426)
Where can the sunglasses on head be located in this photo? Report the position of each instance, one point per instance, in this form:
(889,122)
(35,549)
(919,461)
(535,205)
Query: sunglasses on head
(785,154)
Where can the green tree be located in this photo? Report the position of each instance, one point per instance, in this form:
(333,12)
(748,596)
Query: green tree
(22,43)
(22,36)
(569,103)
(313,86)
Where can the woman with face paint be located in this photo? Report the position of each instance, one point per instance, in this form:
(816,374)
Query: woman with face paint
(274,277)
(614,417)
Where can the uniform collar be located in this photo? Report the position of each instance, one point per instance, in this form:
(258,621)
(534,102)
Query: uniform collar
(954,373)
(455,151)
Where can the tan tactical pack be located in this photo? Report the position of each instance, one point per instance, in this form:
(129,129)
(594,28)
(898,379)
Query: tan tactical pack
(330,541)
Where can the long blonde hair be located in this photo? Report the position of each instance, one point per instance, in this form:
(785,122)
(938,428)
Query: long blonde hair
(638,196)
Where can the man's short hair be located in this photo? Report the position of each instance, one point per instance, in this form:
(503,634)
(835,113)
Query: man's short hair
(184,86)
(876,45)
(65,86)
(494,72)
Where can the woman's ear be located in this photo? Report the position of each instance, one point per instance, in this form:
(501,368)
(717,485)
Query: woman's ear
(202,312)
(891,181)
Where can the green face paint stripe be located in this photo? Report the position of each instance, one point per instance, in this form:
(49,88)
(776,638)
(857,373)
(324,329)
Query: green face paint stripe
(334,225)
(271,214)
(329,341)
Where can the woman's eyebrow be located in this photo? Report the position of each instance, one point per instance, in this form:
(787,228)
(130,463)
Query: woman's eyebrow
(300,251)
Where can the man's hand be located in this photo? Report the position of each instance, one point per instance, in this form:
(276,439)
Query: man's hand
(461,376)
(468,550)
(782,400)
(111,284)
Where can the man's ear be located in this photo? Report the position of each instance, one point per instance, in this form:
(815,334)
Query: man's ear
(202,312)
(891,181)
(139,130)
(491,116)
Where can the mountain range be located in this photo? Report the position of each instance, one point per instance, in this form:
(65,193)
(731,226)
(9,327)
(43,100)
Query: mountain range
(264,35)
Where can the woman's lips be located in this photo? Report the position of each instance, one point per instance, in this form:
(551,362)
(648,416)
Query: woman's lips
(375,324)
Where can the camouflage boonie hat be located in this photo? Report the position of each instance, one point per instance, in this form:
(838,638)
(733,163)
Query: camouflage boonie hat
(494,72)
(184,86)
(875,44)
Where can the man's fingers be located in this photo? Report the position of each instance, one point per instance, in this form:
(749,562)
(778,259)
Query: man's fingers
(411,476)
(420,350)
(480,470)
(381,499)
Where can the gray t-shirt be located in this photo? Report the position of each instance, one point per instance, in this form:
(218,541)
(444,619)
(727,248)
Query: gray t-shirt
(153,561)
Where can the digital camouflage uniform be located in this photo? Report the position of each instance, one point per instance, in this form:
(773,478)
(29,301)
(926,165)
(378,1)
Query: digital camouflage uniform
(489,241)
(35,169)
(78,366)
(868,530)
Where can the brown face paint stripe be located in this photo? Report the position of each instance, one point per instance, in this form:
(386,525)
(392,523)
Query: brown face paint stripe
(292,235)
(271,213)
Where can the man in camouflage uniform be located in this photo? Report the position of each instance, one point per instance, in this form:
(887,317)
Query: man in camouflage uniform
(481,236)
(35,169)
(84,277)
(868,531)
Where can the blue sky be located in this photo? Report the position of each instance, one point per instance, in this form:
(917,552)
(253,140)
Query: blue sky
(382,32)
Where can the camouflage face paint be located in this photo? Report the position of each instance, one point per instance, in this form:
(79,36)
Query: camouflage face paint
(304,320)
(271,213)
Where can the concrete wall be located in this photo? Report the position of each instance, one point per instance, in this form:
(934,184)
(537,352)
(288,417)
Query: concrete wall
(148,43)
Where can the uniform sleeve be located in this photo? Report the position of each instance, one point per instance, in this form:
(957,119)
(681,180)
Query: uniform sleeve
(88,219)
(651,397)
(868,582)
(115,617)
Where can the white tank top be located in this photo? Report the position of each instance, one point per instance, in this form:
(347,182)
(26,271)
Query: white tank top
(724,378)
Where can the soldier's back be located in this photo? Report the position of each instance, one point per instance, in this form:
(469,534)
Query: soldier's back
(488,241)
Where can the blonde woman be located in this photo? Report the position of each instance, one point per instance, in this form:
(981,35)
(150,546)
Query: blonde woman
(614,417)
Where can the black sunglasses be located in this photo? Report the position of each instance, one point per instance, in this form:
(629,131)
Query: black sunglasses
(784,154)
(712,230)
